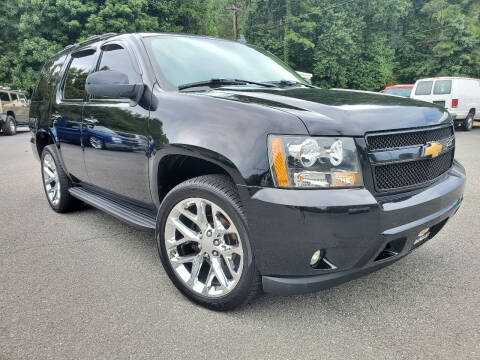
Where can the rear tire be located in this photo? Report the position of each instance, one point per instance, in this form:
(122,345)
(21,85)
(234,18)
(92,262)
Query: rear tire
(468,122)
(225,275)
(10,126)
(55,181)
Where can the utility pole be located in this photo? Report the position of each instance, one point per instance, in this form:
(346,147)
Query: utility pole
(285,42)
(234,10)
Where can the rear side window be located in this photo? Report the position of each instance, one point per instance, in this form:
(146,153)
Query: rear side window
(78,71)
(442,87)
(424,88)
(116,58)
(4,96)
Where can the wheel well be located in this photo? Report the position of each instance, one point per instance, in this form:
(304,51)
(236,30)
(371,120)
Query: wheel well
(43,139)
(11,113)
(175,169)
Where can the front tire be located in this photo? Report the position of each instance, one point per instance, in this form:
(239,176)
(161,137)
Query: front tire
(10,126)
(468,122)
(202,238)
(56,182)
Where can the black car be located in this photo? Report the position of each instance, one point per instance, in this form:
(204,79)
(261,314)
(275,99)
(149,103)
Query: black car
(251,177)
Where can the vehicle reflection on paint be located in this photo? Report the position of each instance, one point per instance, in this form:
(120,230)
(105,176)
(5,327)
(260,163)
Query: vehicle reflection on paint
(68,132)
(99,137)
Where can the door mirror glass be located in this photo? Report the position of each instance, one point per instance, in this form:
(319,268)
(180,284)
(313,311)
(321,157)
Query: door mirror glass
(113,85)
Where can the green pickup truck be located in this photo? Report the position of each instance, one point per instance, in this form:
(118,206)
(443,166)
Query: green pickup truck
(14,110)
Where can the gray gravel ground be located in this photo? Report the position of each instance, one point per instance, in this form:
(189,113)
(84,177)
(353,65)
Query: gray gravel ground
(85,285)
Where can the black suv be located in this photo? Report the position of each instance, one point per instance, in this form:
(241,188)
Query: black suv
(251,177)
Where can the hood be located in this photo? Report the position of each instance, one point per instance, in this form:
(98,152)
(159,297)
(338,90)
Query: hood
(341,112)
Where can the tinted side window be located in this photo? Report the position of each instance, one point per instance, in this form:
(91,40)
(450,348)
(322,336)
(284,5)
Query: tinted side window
(79,69)
(442,87)
(4,96)
(13,96)
(424,88)
(114,57)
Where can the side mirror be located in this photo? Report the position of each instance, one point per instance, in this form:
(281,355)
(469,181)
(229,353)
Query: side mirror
(114,85)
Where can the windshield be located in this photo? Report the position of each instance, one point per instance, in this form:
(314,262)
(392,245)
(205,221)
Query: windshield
(399,91)
(184,60)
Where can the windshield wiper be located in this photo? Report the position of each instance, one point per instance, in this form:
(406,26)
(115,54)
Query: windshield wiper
(288,83)
(212,82)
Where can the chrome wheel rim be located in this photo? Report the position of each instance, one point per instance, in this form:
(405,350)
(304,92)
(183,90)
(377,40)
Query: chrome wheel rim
(12,126)
(96,142)
(204,247)
(50,179)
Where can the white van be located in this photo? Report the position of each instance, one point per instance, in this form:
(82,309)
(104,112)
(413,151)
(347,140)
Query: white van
(460,96)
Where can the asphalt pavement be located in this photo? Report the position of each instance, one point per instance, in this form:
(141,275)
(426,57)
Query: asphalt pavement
(85,285)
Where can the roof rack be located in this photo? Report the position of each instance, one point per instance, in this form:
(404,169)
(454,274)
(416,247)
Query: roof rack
(94,37)
(90,38)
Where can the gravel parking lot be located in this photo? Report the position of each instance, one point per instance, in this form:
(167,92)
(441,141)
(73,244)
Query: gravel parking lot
(85,285)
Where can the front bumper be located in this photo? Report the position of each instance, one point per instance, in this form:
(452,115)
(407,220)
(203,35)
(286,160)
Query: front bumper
(351,227)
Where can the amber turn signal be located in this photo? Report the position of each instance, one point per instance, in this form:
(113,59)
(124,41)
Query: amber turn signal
(346,179)
(279,162)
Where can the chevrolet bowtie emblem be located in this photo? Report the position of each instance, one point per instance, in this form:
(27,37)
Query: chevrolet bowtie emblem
(433,149)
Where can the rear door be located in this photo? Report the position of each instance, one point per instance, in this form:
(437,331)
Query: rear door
(7,104)
(442,93)
(115,134)
(4,102)
(67,109)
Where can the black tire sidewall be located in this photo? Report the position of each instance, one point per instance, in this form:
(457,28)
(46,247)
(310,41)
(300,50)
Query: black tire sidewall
(6,128)
(466,125)
(241,292)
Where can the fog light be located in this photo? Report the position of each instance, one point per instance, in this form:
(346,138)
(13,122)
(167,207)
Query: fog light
(315,257)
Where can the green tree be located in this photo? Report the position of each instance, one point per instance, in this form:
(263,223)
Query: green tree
(363,44)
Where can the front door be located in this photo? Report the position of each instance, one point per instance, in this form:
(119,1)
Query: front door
(67,112)
(21,109)
(115,135)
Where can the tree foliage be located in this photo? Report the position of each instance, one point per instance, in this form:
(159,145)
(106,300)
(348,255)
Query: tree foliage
(364,44)
(371,43)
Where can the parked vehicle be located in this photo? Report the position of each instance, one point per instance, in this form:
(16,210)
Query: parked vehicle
(398,90)
(13,110)
(460,96)
(251,177)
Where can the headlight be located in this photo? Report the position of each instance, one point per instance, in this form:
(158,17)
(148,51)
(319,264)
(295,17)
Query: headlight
(314,162)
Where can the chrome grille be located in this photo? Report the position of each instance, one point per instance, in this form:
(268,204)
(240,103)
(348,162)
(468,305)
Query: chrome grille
(399,172)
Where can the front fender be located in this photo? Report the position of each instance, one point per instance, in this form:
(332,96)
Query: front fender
(158,156)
